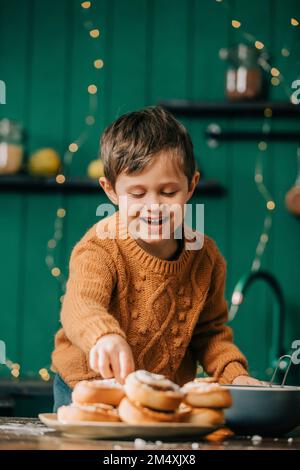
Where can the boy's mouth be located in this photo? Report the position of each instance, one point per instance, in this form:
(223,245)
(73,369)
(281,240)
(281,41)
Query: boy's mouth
(154,221)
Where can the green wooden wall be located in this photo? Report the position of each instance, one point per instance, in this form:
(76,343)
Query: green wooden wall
(152,50)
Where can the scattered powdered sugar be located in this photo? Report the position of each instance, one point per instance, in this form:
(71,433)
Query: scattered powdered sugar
(29,429)
(117,447)
(200,386)
(151,379)
(256,439)
(139,443)
(110,383)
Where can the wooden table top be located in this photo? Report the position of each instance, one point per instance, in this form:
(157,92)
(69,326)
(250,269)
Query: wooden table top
(31,434)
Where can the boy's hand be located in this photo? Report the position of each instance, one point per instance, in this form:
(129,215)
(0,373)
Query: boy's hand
(246,380)
(112,357)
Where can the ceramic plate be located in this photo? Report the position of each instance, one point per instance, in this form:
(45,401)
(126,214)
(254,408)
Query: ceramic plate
(95,430)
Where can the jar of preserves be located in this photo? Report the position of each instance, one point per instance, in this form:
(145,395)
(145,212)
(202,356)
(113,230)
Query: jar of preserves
(11,146)
(244,76)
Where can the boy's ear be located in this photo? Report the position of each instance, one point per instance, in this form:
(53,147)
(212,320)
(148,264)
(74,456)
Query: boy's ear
(108,189)
(193,183)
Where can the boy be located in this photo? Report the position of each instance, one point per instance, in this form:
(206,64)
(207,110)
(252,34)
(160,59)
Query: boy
(138,296)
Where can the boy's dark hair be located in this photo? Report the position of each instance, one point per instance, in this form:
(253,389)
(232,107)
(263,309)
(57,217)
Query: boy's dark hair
(129,143)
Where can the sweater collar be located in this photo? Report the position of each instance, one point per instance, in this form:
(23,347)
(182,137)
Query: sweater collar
(149,261)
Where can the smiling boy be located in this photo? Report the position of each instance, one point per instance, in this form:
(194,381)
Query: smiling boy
(141,298)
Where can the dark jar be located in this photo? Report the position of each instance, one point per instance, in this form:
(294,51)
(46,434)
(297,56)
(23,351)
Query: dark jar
(244,76)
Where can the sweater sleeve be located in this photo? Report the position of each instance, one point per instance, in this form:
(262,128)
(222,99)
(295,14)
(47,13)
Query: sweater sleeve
(84,315)
(212,339)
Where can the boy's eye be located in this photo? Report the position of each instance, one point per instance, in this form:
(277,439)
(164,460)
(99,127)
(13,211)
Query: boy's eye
(164,194)
(137,195)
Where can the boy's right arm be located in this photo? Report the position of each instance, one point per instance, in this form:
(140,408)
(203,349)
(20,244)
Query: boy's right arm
(85,317)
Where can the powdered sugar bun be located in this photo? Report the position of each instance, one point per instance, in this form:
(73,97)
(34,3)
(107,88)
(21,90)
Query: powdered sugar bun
(107,391)
(206,379)
(206,395)
(204,417)
(134,413)
(153,391)
(74,413)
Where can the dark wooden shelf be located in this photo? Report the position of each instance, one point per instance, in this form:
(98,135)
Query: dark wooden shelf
(25,183)
(273,136)
(202,109)
(25,387)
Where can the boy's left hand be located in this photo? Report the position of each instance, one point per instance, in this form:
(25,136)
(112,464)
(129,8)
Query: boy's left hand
(246,380)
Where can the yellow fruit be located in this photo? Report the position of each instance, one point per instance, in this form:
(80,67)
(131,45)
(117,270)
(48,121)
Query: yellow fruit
(95,169)
(44,162)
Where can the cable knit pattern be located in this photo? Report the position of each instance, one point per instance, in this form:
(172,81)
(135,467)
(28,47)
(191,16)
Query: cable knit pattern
(171,313)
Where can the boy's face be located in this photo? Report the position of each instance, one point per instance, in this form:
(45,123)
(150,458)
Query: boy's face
(152,202)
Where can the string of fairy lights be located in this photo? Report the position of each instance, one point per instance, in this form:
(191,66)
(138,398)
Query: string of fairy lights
(73,148)
(276,79)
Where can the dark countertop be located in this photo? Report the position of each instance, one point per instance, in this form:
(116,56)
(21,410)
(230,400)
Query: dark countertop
(31,434)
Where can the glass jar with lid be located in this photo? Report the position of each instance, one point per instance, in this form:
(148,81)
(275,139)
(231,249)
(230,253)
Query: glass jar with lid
(244,77)
(11,146)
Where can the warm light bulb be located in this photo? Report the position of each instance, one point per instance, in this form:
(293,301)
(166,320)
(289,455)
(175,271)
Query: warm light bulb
(271,205)
(55,272)
(61,213)
(73,147)
(294,22)
(98,63)
(60,179)
(259,45)
(51,244)
(275,72)
(264,238)
(235,23)
(90,120)
(92,89)
(94,33)
(86,5)
(275,81)
(262,146)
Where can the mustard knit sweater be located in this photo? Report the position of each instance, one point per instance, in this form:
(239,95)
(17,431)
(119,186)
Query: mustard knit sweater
(171,313)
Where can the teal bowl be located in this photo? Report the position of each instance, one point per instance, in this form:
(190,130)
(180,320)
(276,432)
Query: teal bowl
(266,411)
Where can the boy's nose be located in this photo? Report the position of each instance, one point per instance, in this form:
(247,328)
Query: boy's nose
(152,205)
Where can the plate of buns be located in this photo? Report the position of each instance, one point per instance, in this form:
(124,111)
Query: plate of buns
(147,406)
